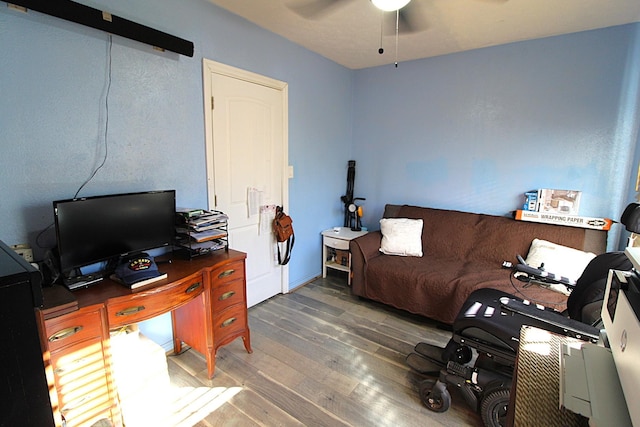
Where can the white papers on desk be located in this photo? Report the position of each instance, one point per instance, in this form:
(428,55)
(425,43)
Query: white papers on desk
(203,236)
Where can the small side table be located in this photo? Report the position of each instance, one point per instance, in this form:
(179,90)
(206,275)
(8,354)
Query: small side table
(338,238)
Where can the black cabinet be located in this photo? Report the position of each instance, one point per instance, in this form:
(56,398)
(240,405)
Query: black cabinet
(25,400)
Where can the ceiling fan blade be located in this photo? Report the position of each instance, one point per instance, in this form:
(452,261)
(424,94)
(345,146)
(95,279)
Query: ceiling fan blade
(314,9)
(411,20)
(412,17)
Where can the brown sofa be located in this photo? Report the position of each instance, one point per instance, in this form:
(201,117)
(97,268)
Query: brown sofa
(462,252)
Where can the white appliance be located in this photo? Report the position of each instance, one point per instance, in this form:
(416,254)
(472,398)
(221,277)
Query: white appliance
(620,312)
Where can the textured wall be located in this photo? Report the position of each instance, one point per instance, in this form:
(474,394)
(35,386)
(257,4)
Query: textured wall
(53,115)
(469,131)
(475,130)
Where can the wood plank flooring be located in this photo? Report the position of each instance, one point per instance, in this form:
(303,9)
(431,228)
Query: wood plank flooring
(321,357)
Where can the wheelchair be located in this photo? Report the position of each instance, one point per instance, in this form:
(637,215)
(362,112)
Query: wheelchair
(479,358)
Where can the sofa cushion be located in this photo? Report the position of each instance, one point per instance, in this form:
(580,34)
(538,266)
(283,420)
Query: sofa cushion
(418,285)
(558,259)
(401,236)
(446,234)
(484,238)
(437,287)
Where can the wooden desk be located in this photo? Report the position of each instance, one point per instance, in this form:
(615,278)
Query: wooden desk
(207,300)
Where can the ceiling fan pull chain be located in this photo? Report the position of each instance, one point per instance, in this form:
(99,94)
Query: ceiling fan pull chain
(381,50)
(397,31)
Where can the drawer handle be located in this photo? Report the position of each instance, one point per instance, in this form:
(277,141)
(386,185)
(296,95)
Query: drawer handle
(226,295)
(77,404)
(193,288)
(226,273)
(65,333)
(131,310)
(228,322)
(73,364)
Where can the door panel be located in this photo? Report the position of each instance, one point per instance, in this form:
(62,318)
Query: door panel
(259,269)
(246,149)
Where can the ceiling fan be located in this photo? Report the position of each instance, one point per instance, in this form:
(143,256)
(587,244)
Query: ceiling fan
(410,17)
(397,16)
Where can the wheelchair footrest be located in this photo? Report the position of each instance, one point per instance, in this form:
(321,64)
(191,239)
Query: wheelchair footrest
(423,365)
(430,351)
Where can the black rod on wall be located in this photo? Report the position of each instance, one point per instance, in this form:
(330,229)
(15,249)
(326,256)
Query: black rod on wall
(105,21)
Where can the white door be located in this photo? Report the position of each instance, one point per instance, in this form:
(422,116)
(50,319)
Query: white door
(246,125)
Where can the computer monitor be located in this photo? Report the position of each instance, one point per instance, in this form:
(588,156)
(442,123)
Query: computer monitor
(102,228)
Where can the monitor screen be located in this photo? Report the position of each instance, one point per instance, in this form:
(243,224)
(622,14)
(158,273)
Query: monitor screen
(95,229)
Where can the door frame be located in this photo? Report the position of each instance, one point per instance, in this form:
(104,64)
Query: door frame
(212,67)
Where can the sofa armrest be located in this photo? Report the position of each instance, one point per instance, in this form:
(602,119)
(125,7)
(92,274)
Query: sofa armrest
(362,250)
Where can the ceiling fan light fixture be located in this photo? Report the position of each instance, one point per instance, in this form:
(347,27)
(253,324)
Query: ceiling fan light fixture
(390,5)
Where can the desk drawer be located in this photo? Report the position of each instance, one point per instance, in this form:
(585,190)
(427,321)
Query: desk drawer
(227,294)
(77,364)
(227,273)
(91,419)
(229,323)
(81,379)
(85,411)
(72,328)
(332,242)
(146,304)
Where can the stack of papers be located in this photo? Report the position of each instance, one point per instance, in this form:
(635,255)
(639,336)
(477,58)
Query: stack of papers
(201,230)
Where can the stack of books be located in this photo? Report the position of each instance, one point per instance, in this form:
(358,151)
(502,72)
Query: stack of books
(201,231)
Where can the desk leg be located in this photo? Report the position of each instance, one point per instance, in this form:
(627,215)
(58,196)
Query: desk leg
(211,354)
(177,346)
(177,341)
(211,363)
(246,340)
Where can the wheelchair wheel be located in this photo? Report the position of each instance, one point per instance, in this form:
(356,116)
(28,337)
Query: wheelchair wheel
(493,408)
(434,395)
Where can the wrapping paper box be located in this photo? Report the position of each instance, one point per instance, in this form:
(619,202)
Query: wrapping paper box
(562,219)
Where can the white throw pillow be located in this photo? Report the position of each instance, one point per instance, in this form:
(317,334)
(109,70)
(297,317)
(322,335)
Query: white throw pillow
(557,259)
(401,236)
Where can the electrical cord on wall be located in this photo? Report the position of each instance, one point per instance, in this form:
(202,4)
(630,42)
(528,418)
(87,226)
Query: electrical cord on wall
(106,140)
(106,124)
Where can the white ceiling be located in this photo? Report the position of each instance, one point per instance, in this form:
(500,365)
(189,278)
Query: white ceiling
(349,31)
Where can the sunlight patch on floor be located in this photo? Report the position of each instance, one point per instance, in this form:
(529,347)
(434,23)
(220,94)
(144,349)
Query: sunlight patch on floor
(191,405)
(146,395)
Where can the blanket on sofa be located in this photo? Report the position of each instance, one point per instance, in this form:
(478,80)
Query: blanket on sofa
(462,252)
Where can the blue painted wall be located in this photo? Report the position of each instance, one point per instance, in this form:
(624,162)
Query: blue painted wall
(53,114)
(470,131)
(473,131)
(630,105)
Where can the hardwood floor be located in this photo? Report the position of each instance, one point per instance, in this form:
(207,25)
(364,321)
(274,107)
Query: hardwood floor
(321,357)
